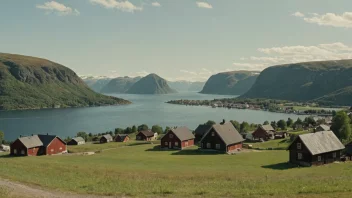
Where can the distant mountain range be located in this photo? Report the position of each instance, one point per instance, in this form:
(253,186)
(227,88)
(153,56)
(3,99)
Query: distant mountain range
(183,86)
(96,83)
(230,83)
(151,84)
(325,82)
(119,85)
(33,83)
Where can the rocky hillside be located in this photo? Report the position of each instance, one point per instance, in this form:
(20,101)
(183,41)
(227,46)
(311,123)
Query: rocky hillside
(327,82)
(230,83)
(119,85)
(34,83)
(151,84)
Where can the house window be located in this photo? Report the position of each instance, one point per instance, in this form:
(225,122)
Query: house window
(52,150)
(14,151)
(171,135)
(60,148)
(166,143)
(299,145)
(319,158)
(208,145)
(299,156)
(176,143)
(334,155)
(217,146)
(22,152)
(212,133)
(186,143)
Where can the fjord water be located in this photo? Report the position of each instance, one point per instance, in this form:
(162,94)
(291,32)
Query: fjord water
(146,109)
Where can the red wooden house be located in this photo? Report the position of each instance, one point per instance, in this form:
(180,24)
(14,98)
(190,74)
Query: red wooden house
(122,138)
(222,137)
(178,138)
(38,145)
(145,135)
(264,132)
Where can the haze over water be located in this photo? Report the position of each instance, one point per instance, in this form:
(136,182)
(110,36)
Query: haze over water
(146,109)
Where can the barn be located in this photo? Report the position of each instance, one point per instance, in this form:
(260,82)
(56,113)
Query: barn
(106,138)
(222,137)
(76,141)
(38,145)
(264,132)
(122,138)
(178,138)
(147,135)
(200,131)
(315,149)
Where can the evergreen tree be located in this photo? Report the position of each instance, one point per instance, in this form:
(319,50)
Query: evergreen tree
(236,124)
(142,127)
(134,129)
(282,124)
(157,129)
(341,125)
(266,123)
(289,122)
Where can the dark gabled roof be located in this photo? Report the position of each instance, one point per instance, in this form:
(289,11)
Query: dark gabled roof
(324,127)
(46,139)
(107,137)
(183,133)
(123,136)
(78,139)
(202,129)
(227,133)
(321,142)
(267,127)
(147,133)
(31,141)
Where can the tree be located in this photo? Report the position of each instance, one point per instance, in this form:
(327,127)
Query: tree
(128,130)
(333,113)
(309,121)
(118,131)
(282,124)
(83,135)
(341,125)
(289,122)
(2,137)
(167,129)
(210,123)
(142,127)
(134,129)
(273,124)
(157,129)
(236,124)
(244,127)
(266,123)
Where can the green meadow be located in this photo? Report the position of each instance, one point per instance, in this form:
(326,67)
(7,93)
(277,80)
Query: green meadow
(145,171)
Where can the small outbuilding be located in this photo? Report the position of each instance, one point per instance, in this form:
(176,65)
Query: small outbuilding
(222,137)
(122,138)
(322,127)
(106,138)
(4,147)
(315,149)
(147,135)
(76,141)
(178,138)
(264,132)
(200,131)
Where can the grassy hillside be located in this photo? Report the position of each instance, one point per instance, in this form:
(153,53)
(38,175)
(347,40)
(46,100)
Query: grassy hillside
(145,171)
(230,83)
(33,83)
(119,85)
(327,82)
(151,84)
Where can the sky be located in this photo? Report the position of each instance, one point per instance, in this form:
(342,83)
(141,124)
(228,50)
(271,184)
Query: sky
(176,39)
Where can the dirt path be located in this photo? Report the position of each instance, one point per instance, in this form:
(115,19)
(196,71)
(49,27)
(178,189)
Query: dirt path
(14,189)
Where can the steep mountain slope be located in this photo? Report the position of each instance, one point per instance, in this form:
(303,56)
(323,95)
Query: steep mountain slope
(230,83)
(96,83)
(33,83)
(151,84)
(323,81)
(186,85)
(119,85)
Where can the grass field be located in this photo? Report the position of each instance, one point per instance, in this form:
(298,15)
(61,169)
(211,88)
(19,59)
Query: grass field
(145,171)
(273,144)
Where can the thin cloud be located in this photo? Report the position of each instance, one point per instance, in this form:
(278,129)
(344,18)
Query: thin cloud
(298,14)
(125,6)
(330,19)
(156,4)
(58,8)
(204,5)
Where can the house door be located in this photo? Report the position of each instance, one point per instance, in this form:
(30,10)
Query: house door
(170,145)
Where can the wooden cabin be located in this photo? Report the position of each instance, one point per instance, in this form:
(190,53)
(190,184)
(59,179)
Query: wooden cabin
(222,137)
(106,138)
(264,132)
(322,127)
(200,131)
(178,138)
(145,135)
(38,145)
(122,138)
(315,149)
(76,141)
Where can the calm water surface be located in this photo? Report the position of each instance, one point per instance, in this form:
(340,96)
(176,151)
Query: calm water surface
(146,109)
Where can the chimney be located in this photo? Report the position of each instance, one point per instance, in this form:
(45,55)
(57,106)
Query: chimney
(223,122)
